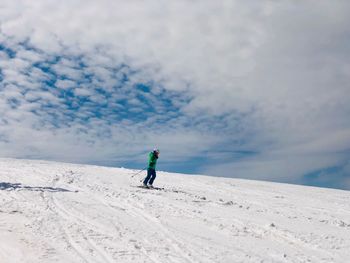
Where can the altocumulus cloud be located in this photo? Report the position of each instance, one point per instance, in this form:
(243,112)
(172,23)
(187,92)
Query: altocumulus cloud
(246,89)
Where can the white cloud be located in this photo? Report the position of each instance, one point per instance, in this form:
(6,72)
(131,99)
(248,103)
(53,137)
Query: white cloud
(65,84)
(66,71)
(84,92)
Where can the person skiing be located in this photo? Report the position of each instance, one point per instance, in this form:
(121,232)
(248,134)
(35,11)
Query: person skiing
(151,169)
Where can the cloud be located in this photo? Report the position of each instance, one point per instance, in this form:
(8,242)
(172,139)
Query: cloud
(101,81)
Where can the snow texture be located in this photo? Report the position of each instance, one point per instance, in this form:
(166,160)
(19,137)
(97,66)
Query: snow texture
(56,212)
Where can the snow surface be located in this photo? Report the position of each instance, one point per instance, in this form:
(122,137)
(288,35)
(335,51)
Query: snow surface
(56,212)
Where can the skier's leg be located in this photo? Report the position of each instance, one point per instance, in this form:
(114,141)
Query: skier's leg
(153,176)
(147,177)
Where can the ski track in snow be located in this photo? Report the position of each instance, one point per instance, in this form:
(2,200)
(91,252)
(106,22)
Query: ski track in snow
(56,212)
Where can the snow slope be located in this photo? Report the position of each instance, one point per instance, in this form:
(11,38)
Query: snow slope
(56,212)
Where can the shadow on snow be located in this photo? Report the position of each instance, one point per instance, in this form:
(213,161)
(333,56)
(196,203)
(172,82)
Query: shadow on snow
(17,186)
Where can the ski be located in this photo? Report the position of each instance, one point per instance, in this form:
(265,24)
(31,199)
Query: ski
(150,188)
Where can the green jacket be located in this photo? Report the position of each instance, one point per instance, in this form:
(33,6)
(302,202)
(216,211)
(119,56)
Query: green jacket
(152,160)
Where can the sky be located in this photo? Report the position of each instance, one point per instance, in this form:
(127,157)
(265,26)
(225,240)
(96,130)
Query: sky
(246,89)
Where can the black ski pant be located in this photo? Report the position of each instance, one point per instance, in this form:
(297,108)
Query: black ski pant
(151,175)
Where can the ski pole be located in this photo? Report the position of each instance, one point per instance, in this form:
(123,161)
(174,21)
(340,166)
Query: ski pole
(138,172)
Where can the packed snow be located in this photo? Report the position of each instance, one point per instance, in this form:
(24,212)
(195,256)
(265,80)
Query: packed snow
(57,212)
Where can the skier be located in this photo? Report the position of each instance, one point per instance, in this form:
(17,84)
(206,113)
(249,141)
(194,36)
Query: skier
(151,170)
